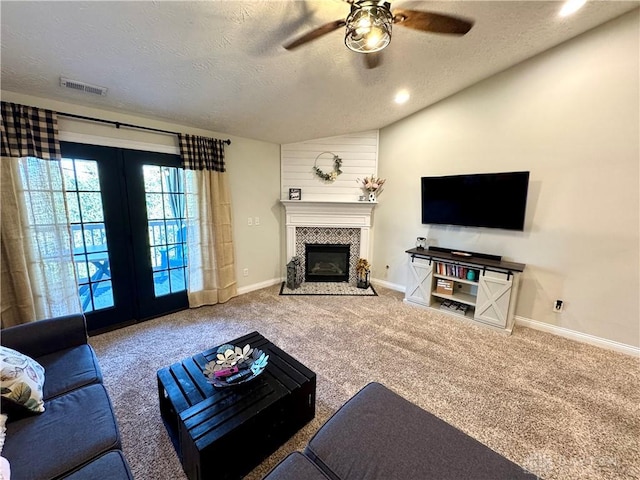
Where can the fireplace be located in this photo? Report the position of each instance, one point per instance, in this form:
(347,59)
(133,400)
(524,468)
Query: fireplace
(326,262)
(329,222)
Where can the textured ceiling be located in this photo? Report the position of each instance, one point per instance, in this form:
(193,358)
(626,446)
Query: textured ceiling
(220,65)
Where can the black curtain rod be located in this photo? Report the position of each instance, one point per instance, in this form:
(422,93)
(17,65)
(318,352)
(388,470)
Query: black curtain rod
(120,124)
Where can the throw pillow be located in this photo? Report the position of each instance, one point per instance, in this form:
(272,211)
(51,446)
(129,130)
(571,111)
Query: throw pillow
(21,380)
(5,468)
(3,430)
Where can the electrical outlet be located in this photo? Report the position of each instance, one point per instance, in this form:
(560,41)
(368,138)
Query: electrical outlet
(245,272)
(256,221)
(250,221)
(558,305)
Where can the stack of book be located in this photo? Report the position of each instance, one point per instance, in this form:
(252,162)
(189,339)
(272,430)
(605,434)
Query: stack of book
(455,307)
(457,271)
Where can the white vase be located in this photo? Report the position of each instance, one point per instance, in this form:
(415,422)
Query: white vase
(372,196)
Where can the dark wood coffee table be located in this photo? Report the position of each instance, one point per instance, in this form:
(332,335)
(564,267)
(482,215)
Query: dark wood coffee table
(224,433)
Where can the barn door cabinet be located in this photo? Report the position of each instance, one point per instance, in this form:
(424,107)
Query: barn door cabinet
(419,282)
(481,289)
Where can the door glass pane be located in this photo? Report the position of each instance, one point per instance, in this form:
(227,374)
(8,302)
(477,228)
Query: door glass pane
(73,207)
(167,185)
(98,266)
(170,204)
(158,257)
(104,295)
(68,174)
(166,225)
(157,233)
(175,255)
(82,271)
(152,179)
(91,252)
(87,175)
(176,276)
(155,210)
(91,206)
(95,238)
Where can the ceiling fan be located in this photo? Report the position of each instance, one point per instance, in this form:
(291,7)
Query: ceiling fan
(368,26)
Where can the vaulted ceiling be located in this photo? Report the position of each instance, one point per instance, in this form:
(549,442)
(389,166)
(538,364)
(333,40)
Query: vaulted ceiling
(220,65)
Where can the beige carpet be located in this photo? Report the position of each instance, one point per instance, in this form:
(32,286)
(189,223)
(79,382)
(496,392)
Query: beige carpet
(564,409)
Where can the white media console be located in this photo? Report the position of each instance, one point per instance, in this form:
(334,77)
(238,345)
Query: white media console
(442,280)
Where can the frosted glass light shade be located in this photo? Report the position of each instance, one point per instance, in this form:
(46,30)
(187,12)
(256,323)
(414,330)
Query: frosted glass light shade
(368,27)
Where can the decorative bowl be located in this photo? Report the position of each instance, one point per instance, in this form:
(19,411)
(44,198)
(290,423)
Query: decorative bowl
(246,363)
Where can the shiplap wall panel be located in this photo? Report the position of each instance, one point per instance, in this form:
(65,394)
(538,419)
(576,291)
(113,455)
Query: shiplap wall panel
(359,153)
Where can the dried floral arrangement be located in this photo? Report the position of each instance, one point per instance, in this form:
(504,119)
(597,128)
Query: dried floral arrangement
(234,365)
(362,267)
(372,184)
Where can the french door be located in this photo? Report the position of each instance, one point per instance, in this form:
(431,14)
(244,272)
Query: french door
(126,210)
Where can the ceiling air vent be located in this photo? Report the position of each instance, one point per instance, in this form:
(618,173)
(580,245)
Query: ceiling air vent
(82,86)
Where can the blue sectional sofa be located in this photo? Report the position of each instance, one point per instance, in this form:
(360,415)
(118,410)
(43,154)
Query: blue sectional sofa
(378,434)
(77,436)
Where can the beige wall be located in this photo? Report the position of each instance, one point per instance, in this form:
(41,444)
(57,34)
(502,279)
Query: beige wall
(255,186)
(254,175)
(570,116)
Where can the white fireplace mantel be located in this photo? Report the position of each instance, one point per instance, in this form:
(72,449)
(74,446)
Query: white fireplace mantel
(301,213)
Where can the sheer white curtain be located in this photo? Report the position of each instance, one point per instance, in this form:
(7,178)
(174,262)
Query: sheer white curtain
(38,276)
(210,252)
(38,271)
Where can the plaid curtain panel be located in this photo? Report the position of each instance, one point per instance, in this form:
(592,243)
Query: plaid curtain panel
(29,132)
(201,153)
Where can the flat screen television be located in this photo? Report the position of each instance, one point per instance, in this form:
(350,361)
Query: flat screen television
(492,200)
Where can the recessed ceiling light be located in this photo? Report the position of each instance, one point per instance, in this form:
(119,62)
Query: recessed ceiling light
(402,96)
(571,6)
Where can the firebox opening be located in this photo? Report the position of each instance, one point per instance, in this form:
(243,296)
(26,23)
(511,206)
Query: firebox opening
(326,262)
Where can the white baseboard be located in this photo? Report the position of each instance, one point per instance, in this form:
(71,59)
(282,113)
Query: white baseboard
(579,336)
(520,321)
(260,285)
(392,286)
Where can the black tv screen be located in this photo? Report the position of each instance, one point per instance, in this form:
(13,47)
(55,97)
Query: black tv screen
(493,200)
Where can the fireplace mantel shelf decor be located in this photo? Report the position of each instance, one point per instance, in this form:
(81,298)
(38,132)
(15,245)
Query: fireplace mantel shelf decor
(327,214)
(327,202)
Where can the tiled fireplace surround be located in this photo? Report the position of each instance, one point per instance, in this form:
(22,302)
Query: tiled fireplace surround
(347,223)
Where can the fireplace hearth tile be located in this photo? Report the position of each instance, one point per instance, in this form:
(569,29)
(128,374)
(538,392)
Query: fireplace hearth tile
(328,288)
(324,235)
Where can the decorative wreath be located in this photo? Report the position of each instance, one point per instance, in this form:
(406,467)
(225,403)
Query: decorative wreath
(328,177)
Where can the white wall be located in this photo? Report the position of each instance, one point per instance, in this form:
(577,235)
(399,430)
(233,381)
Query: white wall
(254,176)
(570,117)
(359,154)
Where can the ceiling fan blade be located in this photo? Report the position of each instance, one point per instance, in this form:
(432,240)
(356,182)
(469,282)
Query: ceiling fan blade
(372,60)
(432,22)
(313,34)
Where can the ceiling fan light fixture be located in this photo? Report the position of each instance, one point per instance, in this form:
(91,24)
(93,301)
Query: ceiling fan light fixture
(368,26)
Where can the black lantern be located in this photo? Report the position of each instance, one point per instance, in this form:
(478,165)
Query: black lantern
(294,273)
(363,280)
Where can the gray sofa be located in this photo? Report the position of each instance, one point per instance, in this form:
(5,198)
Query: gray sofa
(76,437)
(378,434)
